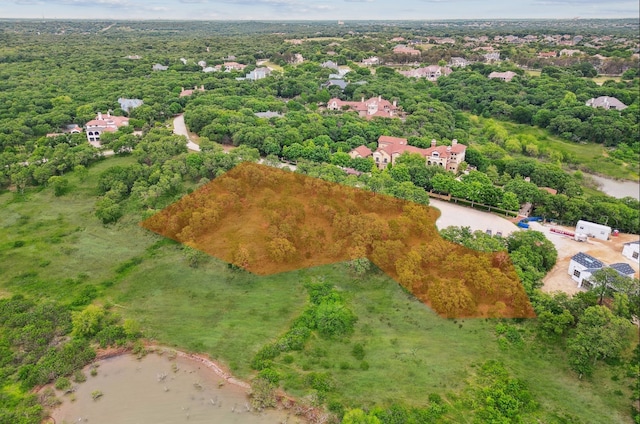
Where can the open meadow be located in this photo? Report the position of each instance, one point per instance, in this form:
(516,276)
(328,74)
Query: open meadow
(55,248)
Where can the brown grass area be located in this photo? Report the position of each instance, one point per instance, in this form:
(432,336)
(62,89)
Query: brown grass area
(268,221)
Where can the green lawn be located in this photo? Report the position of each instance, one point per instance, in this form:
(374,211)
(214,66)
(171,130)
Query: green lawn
(229,314)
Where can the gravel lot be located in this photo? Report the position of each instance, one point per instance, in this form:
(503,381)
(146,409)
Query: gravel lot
(609,252)
(558,278)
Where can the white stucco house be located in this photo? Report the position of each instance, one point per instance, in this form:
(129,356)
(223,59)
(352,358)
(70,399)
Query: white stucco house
(631,250)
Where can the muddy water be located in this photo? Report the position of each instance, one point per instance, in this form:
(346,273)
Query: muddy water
(159,390)
(618,189)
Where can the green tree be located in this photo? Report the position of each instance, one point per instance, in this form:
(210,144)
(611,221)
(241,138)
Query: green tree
(599,335)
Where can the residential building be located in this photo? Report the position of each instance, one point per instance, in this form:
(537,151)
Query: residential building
(360,152)
(492,56)
(296,59)
(330,64)
(101,124)
(159,67)
(547,55)
(606,102)
(431,73)
(375,106)
(233,66)
(458,62)
(186,93)
(582,266)
(446,41)
(337,82)
(569,52)
(504,76)
(67,129)
(391,148)
(402,49)
(258,73)
(128,104)
(631,250)
(373,60)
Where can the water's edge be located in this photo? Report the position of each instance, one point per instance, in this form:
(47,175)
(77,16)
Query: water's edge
(168,385)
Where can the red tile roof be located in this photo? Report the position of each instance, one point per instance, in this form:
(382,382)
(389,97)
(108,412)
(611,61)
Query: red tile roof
(363,151)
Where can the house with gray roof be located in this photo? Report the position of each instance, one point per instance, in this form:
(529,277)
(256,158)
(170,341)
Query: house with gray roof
(606,102)
(338,82)
(582,266)
(330,64)
(504,76)
(128,104)
(159,67)
(623,269)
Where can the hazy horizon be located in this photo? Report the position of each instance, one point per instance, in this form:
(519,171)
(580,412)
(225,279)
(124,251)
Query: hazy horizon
(286,10)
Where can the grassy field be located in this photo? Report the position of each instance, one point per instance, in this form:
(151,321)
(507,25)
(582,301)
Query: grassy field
(53,247)
(602,79)
(590,157)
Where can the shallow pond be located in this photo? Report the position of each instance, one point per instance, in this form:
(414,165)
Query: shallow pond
(157,389)
(618,189)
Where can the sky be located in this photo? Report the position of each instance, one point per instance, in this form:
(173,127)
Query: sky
(318,9)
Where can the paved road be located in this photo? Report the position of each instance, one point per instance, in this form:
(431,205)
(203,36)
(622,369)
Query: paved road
(463,216)
(180,128)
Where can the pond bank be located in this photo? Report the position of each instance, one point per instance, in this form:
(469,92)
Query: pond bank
(617,188)
(165,386)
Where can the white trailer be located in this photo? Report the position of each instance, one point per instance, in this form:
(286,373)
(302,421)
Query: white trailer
(594,230)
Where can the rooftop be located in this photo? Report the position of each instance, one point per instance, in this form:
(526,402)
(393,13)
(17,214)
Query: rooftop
(587,261)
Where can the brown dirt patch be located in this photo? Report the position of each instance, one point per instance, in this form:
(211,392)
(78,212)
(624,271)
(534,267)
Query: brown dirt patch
(268,221)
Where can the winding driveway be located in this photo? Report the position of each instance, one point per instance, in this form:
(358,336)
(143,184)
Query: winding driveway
(180,128)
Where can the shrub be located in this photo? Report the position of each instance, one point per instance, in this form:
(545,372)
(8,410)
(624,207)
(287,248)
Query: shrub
(62,383)
(334,319)
(79,377)
(322,382)
(358,351)
(270,375)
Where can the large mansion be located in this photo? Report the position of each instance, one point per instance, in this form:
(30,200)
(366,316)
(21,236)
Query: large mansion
(375,106)
(390,148)
(101,124)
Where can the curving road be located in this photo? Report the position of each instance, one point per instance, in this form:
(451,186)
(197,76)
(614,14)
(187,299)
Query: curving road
(180,128)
